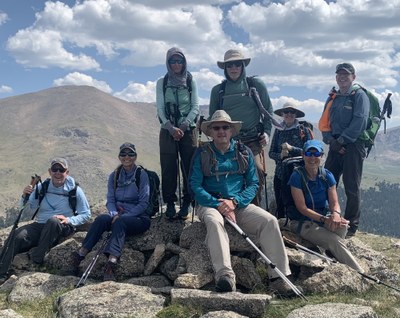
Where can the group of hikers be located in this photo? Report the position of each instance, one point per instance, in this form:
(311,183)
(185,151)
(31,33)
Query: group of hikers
(225,176)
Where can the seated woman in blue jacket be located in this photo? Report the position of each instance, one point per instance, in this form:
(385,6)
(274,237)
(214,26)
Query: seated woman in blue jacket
(126,204)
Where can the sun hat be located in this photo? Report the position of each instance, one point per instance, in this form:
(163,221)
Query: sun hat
(233,55)
(349,68)
(221,116)
(291,106)
(61,161)
(313,143)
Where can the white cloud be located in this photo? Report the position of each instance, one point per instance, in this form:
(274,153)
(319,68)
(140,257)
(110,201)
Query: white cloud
(136,92)
(43,48)
(3,18)
(5,89)
(82,79)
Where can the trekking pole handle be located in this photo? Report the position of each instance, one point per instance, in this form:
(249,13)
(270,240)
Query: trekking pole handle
(305,249)
(34,180)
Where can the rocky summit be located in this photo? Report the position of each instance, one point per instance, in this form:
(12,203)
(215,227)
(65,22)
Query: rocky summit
(169,264)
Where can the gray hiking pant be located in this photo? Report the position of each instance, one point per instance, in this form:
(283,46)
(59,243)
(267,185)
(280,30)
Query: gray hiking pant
(261,227)
(40,236)
(328,240)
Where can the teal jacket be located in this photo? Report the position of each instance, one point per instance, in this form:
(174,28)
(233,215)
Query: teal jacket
(240,106)
(242,187)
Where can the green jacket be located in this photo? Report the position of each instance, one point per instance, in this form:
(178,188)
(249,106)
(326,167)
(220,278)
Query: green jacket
(240,106)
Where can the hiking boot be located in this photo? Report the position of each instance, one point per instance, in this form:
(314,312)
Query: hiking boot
(184,211)
(281,289)
(170,212)
(109,271)
(225,284)
(350,233)
(76,260)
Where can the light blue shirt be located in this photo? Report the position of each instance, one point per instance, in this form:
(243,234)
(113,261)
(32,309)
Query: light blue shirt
(56,202)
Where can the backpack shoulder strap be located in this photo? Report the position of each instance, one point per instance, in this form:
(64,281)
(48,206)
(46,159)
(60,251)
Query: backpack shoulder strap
(165,81)
(189,79)
(137,176)
(221,94)
(72,198)
(43,190)
(117,172)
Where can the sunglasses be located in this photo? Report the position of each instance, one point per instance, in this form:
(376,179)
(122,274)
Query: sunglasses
(129,154)
(180,62)
(225,127)
(231,64)
(61,170)
(314,154)
(289,111)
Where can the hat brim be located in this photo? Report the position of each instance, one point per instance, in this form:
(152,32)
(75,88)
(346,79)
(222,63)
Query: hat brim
(222,64)
(299,113)
(206,127)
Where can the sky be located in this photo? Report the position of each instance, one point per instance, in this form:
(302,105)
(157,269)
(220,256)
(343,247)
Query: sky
(119,46)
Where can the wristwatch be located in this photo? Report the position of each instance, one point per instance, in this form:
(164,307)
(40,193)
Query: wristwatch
(235,202)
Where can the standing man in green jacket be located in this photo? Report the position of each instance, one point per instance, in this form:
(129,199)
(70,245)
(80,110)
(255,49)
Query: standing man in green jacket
(233,96)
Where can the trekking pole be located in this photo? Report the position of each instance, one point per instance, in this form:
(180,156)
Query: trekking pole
(266,259)
(88,270)
(34,180)
(253,91)
(265,179)
(176,116)
(305,249)
(376,280)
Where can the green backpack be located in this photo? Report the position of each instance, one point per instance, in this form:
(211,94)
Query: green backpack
(375,117)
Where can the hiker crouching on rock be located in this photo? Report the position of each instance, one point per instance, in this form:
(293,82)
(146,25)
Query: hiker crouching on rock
(126,204)
(55,217)
(224,185)
(317,217)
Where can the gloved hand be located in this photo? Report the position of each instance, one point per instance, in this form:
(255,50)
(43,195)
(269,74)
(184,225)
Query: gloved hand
(335,145)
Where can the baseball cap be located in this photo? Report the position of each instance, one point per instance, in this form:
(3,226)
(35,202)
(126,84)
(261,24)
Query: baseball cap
(316,144)
(349,68)
(61,161)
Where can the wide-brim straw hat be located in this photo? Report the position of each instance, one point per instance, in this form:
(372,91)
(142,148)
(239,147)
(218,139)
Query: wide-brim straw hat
(233,55)
(290,106)
(221,116)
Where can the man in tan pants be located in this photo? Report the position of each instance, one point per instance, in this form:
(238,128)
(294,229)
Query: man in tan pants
(224,181)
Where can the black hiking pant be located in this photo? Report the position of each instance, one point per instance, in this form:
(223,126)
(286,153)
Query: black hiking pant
(350,166)
(171,152)
(40,236)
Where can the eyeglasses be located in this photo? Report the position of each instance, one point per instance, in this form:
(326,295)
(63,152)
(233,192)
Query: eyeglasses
(288,111)
(129,154)
(314,154)
(180,62)
(225,127)
(55,169)
(231,64)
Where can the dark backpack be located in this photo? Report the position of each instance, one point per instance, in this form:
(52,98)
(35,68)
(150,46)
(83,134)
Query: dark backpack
(306,128)
(290,165)
(43,190)
(154,183)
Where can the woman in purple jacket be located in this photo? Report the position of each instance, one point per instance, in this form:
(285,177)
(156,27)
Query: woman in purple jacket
(126,205)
